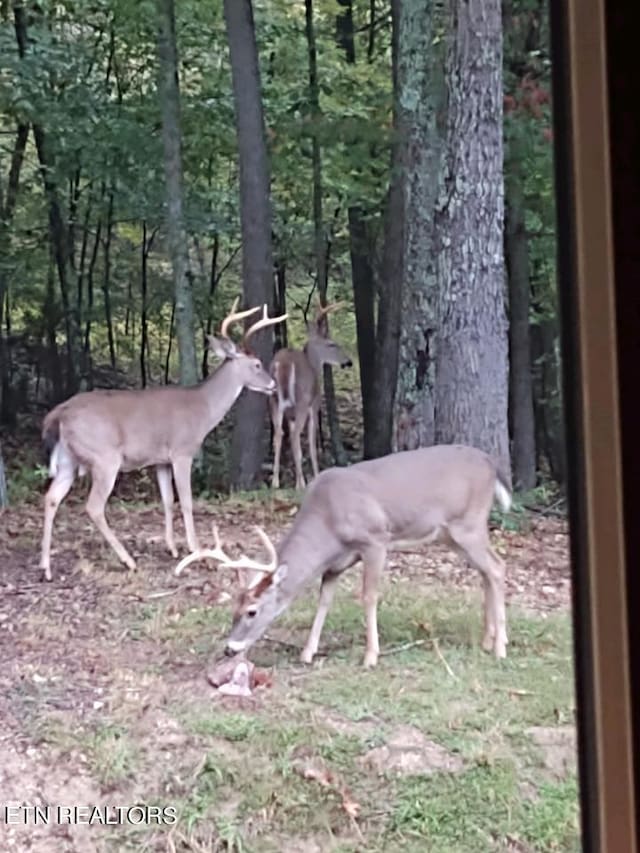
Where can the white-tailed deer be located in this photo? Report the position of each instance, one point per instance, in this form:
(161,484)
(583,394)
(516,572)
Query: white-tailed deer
(298,396)
(408,499)
(104,432)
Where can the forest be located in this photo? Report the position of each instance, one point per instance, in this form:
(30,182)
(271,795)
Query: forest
(380,172)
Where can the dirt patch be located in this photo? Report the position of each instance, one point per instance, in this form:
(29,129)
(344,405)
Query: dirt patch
(557,747)
(408,752)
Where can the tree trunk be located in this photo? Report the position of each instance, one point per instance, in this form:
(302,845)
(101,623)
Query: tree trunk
(320,242)
(280,306)
(548,407)
(213,283)
(106,282)
(4,497)
(362,275)
(248,444)
(169,93)
(143,306)
(422,103)
(471,380)
(523,448)
(378,441)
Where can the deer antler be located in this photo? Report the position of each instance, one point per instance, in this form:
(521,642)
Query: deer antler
(243,562)
(261,324)
(234,316)
(322,311)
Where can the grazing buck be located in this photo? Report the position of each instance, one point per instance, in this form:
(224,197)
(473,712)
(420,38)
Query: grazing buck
(105,432)
(362,513)
(299,391)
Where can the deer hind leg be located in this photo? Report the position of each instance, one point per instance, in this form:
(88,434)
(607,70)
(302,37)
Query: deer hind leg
(165,484)
(103,480)
(373,562)
(327,591)
(312,437)
(475,545)
(277,415)
(295,430)
(56,493)
(182,476)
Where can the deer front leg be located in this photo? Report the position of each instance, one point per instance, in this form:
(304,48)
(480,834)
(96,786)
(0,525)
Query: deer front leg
(313,441)
(327,591)
(295,429)
(182,477)
(372,563)
(165,484)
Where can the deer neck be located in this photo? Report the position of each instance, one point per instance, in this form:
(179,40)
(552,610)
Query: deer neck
(309,550)
(219,392)
(313,357)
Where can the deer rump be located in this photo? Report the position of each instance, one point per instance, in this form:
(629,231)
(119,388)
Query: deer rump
(286,371)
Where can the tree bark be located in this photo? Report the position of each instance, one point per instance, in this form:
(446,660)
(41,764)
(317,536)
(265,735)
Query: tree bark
(378,441)
(4,496)
(471,382)
(523,447)
(169,93)
(106,282)
(248,445)
(421,94)
(320,241)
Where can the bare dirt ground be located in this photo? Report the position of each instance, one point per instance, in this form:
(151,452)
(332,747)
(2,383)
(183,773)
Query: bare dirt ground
(95,664)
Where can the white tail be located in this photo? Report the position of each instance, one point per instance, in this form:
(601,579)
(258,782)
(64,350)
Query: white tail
(298,396)
(104,432)
(362,513)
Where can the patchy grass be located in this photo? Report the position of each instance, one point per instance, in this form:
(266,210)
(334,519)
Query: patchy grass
(440,748)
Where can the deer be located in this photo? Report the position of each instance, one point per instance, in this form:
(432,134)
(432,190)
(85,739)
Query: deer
(298,397)
(103,432)
(361,514)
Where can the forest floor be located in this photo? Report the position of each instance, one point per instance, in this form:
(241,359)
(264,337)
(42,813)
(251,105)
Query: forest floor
(104,698)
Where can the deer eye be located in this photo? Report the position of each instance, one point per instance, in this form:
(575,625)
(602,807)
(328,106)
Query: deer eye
(251,611)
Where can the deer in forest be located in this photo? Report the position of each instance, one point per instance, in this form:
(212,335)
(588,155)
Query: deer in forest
(298,397)
(361,513)
(104,432)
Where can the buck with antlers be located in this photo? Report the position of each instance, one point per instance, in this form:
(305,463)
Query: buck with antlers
(442,493)
(104,432)
(297,374)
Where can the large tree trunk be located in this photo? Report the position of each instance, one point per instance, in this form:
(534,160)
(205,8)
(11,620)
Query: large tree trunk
(378,440)
(471,382)
(520,377)
(421,94)
(248,444)
(169,92)
(320,240)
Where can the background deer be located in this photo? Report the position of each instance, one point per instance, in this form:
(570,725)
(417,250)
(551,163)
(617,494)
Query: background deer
(105,432)
(298,394)
(362,513)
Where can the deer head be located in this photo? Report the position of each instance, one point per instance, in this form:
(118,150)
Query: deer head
(247,367)
(320,348)
(260,600)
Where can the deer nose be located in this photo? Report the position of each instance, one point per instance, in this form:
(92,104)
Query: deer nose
(229,652)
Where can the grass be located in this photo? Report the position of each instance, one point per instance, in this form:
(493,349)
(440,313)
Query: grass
(481,713)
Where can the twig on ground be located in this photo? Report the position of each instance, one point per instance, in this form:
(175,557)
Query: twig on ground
(436,648)
(396,649)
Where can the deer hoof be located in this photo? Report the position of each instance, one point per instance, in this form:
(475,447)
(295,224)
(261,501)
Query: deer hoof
(370,660)
(130,563)
(306,656)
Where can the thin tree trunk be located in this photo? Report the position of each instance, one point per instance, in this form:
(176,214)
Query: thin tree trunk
(280,299)
(4,495)
(167,361)
(106,281)
(213,282)
(90,299)
(169,93)
(520,376)
(472,358)
(248,444)
(143,307)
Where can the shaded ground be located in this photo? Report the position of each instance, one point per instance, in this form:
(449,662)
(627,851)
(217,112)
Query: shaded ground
(103,700)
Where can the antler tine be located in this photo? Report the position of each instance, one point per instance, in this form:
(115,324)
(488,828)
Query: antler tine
(262,323)
(322,311)
(234,316)
(217,553)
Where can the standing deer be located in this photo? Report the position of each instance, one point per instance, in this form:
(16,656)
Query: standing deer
(104,432)
(298,396)
(362,513)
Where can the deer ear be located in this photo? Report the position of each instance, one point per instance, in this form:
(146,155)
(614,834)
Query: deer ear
(222,347)
(280,574)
